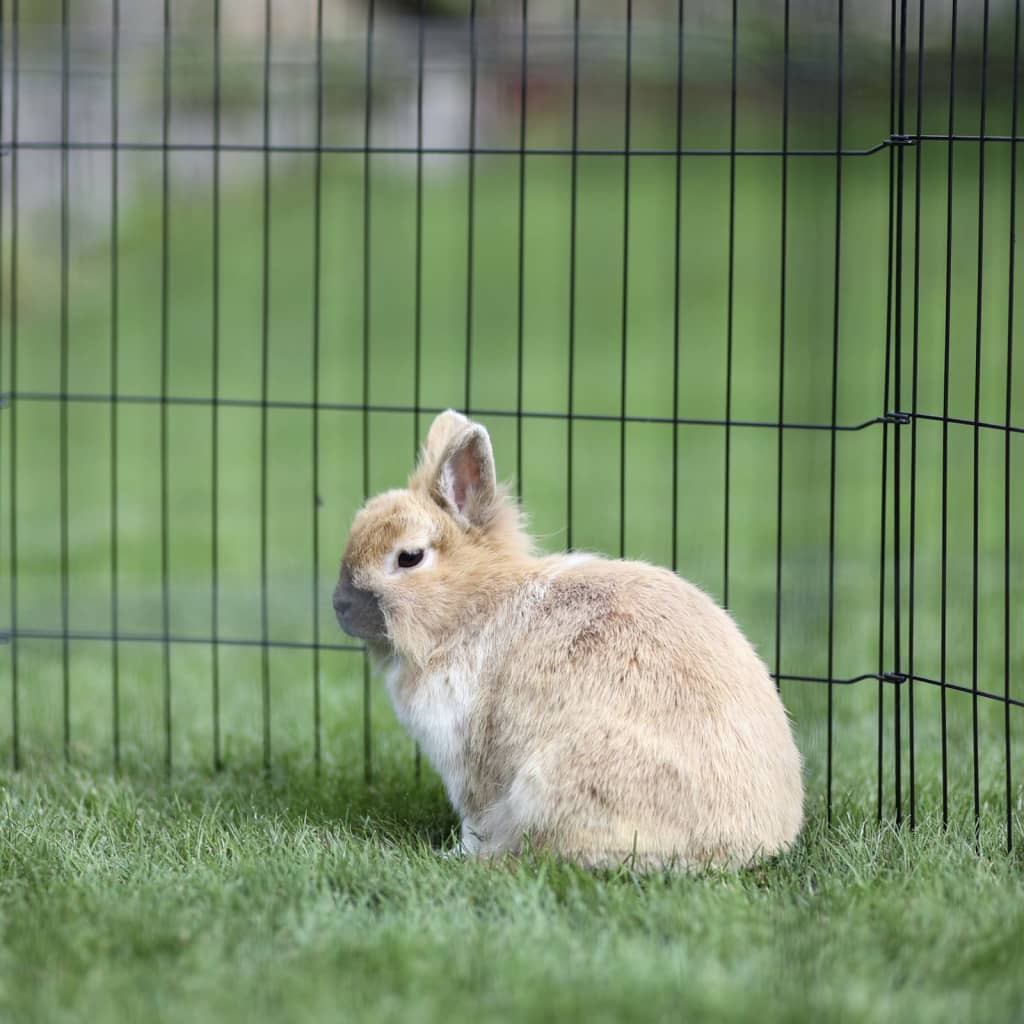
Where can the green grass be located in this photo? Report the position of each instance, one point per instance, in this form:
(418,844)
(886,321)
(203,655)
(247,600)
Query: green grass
(312,899)
(229,896)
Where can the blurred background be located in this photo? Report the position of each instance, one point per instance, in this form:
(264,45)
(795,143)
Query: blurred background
(359,227)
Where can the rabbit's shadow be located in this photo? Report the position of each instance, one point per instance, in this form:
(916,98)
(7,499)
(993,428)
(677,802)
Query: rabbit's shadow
(392,806)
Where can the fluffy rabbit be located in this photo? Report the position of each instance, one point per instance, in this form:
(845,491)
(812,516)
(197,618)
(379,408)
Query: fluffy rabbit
(606,710)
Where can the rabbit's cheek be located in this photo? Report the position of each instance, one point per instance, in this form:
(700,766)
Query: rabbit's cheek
(358,612)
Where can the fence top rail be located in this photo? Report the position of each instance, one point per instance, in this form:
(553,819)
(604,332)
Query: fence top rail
(899,418)
(11,145)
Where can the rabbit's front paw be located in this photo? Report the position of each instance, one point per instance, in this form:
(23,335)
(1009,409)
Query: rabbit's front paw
(468,845)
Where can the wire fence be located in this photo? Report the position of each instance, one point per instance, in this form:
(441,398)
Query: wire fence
(728,300)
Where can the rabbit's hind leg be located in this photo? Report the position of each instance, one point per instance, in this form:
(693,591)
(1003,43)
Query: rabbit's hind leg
(517,819)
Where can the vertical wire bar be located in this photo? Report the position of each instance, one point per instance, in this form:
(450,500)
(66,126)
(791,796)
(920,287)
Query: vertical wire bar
(367,123)
(573,208)
(729,308)
(944,560)
(315,440)
(418,284)
(977,429)
(913,419)
(676,283)
(1007,752)
(882,575)
(114,355)
(470,207)
(164,347)
(417,332)
(780,437)
(264,393)
(521,246)
(835,399)
(13,461)
(883,525)
(218,762)
(897,440)
(625,279)
(64,547)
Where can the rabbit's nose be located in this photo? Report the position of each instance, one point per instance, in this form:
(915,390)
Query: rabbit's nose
(341,606)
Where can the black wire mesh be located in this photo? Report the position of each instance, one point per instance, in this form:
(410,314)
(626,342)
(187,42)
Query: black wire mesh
(647,89)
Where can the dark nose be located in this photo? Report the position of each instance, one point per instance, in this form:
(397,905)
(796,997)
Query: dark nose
(358,611)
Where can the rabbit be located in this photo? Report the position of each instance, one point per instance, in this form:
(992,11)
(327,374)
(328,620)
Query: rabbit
(605,710)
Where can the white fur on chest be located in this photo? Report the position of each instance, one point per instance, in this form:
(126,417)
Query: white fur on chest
(435,708)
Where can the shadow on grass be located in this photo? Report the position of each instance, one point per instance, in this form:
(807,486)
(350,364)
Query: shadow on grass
(394,808)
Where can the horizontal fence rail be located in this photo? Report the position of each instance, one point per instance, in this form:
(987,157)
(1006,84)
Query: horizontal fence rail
(899,418)
(27,633)
(8,146)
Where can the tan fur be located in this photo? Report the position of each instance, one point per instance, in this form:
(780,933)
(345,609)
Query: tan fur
(607,710)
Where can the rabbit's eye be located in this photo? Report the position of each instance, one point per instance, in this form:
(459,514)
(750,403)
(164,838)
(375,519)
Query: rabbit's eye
(407,559)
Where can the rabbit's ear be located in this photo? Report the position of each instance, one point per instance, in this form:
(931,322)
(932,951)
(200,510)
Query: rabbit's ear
(446,426)
(442,432)
(456,469)
(464,483)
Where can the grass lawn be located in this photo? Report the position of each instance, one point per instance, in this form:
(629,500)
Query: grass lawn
(307,899)
(303,895)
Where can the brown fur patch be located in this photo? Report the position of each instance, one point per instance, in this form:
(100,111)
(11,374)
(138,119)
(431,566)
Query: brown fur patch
(597,633)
